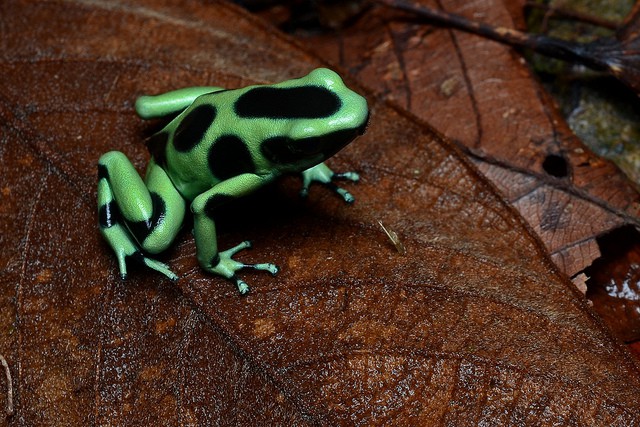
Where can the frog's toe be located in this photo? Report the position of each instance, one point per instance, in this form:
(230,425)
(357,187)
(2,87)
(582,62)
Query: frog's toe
(161,268)
(349,176)
(140,258)
(227,267)
(348,197)
(237,248)
(271,268)
(242,286)
(122,265)
(324,175)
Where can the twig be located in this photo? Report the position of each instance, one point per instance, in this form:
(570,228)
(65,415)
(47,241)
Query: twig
(4,363)
(550,46)
(393,236)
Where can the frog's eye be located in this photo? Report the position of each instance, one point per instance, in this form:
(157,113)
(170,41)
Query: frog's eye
(304,102)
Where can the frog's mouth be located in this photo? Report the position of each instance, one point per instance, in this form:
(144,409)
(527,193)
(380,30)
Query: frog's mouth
(330,143)
(287,151)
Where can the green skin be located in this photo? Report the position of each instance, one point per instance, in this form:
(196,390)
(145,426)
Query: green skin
(195,159)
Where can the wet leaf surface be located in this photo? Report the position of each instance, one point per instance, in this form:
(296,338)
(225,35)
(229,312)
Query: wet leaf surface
(473,324)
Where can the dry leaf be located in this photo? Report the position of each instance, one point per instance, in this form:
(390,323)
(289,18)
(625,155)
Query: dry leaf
(473,325)
(482,95)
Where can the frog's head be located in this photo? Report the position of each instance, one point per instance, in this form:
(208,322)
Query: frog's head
(313,117)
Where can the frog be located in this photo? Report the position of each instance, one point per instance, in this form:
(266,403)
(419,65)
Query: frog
(219,145)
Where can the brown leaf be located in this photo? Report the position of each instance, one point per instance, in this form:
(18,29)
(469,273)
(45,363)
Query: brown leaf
(473,325)
(482,95)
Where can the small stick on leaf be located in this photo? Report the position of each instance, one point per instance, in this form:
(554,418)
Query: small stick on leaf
(7,372)
(394,239)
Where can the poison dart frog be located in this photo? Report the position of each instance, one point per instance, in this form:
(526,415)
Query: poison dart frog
(223,144)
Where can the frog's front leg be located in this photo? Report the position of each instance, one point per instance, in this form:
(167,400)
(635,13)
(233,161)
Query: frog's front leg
(323,174)
(203,208)
(136,214)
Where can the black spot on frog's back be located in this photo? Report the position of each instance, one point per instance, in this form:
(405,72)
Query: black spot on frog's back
(229,157)
(193,126)
(304,102)
(157,146)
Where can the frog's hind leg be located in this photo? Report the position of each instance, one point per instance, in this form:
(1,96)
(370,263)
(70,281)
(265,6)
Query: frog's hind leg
(137,216)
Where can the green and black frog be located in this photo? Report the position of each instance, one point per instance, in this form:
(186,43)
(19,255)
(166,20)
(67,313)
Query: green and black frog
(223,144)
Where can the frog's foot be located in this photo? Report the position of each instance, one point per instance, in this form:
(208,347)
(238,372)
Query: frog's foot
(226,266)
(322,174)
(139,257)
(126,249)
(160,267)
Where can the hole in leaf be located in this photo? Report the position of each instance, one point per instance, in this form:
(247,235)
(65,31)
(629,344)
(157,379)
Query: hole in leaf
(556,165)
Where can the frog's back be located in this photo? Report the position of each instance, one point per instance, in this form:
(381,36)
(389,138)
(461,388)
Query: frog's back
(263,130)
(203,145)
